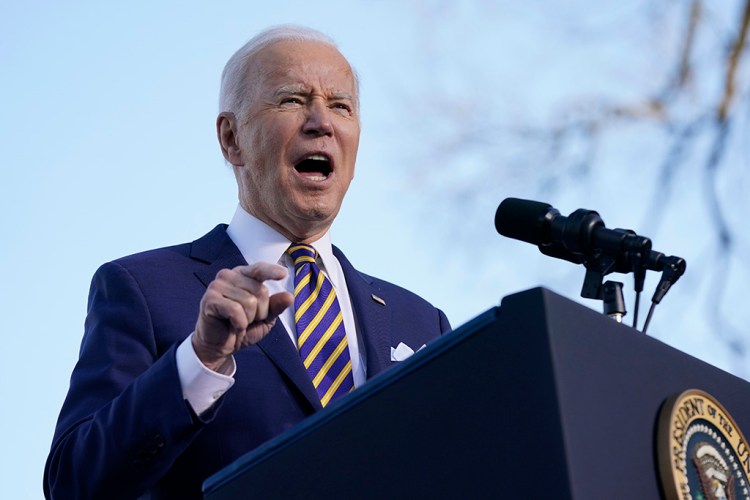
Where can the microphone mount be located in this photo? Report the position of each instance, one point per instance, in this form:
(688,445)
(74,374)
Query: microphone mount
(582,238)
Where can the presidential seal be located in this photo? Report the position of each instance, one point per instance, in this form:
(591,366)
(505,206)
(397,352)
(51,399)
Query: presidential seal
(702,453)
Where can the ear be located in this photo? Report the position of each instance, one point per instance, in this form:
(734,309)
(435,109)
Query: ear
(226,132)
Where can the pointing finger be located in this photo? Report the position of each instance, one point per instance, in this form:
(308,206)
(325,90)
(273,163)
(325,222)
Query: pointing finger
(263,271)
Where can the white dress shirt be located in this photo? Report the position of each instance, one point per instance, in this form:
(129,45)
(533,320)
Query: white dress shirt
(258,242)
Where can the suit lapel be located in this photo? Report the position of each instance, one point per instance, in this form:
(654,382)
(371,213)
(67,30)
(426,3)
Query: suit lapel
(279,348)
(373,318)
(218,251)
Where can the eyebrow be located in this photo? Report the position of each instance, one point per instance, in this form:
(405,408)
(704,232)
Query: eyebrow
(290,89)
(301,90)
(342,95)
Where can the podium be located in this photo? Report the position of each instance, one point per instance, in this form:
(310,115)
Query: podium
(538,398)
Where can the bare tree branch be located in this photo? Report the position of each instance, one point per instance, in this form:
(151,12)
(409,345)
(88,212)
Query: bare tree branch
(694,112)
(735,54)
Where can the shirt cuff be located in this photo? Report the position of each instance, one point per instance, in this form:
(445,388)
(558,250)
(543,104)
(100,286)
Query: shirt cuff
(201,386)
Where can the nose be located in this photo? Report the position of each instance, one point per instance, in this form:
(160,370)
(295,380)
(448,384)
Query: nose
(318,119)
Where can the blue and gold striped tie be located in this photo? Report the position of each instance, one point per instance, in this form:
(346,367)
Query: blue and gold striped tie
(321,337)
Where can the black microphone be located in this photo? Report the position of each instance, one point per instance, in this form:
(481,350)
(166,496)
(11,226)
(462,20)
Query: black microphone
(574,238)
(581,238)
(672,269)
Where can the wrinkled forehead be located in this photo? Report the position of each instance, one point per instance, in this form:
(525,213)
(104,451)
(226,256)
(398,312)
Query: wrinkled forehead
(304,65)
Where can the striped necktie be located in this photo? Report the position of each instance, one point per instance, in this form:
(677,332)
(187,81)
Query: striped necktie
(321,337)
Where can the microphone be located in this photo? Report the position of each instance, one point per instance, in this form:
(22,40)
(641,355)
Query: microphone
(581,238)
(575,238)
(671,267)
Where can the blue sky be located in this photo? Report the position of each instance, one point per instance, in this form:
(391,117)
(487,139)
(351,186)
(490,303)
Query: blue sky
(108,147)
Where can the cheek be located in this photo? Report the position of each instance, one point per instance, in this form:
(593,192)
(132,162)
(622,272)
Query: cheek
(272,147)
(266,156)
(352,152)
(351,140)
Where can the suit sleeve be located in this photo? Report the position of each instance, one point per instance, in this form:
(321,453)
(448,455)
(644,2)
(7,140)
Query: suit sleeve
(124,421)
(445,326)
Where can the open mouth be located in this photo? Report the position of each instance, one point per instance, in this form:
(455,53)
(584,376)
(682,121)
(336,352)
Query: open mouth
(314,167)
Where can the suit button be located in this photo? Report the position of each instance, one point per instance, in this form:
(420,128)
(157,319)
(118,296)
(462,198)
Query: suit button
(159,441)
(152,448)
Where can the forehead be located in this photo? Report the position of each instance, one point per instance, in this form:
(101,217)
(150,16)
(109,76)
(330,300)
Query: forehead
(305,64)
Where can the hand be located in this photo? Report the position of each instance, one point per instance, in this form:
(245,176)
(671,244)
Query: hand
(236,311)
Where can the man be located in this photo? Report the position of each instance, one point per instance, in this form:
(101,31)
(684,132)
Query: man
(190,356)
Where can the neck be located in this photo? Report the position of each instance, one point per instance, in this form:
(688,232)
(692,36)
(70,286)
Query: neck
(304,232)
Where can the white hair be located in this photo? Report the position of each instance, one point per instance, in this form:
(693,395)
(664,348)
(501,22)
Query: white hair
(234,88)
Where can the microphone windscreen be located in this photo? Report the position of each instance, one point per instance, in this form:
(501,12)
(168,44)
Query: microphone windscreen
(522,219)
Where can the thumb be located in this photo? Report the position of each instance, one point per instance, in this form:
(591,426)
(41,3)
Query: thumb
(277,303)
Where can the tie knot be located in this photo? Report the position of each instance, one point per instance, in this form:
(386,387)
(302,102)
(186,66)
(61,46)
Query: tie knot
(302,254)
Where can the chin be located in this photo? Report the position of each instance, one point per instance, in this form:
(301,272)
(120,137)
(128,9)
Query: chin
(317,210)
(317,215)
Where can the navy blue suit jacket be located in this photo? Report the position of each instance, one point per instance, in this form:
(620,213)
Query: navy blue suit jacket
(125,430)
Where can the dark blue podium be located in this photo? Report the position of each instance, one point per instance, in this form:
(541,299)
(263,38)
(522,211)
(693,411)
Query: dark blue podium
(538,398)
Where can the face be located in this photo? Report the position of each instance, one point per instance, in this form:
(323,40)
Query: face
(295,146)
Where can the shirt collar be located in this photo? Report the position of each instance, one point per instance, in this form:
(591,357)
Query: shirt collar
(259,242)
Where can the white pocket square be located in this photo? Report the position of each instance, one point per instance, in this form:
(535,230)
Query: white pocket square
(402,352)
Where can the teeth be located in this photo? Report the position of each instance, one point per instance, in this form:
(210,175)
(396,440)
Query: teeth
(317,177)
(317,157)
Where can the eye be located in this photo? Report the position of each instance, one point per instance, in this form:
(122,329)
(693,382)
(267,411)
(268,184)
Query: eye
(289,102)
(342,107)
